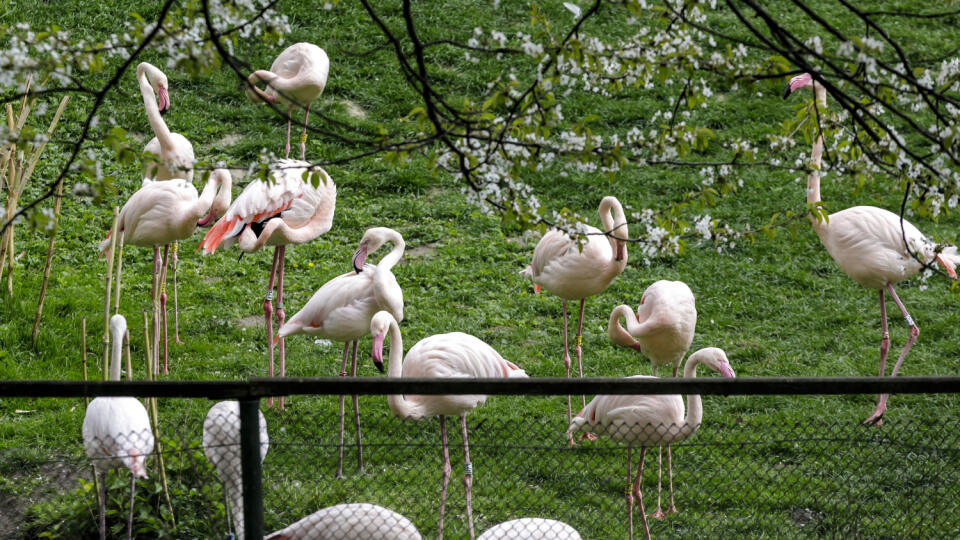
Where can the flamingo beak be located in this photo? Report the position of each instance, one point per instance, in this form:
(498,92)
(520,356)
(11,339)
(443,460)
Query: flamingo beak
(211,217)
(378,350)
(359,257)
(727,371)
(163,100)
(787,91)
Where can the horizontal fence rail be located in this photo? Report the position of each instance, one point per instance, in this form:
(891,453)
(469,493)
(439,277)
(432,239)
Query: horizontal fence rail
(259,387)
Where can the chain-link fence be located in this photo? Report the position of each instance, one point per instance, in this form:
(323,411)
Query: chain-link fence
(732,478)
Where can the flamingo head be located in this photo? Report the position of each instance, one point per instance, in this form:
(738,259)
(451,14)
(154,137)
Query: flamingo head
(135,461)
(379,325)
(359,257)
(163,98)
(800,81)
(716,359)
(222,201)
(621,250)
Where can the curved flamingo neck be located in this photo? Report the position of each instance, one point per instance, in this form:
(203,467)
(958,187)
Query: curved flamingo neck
(159,127)
(816,153)
(615,225)
(615,331)
(116,356)
(694,417)
(219,178)
(393,257)
(400,406)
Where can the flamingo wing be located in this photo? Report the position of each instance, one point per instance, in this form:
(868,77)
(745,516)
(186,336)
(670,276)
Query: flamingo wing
(341,309)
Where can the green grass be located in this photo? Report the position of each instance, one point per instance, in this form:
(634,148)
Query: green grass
(779,307)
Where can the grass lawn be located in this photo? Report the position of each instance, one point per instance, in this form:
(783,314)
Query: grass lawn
(762,466)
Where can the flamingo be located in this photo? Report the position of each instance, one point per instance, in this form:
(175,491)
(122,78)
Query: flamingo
(160,213)
(646,420)
(296,78)
(116,432)
(174,151)
(287,210)
(560,266)
(342,308)
(663,328)
(356,521)
(221,445)
(452,355)
(531,529)
(871,245)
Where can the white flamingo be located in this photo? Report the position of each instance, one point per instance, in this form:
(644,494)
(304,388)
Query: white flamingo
(355,521)
(296,78)
(160,213)
(531,529)
(871,245)
(561,267)
(342,308)
(647,420)
(116,431)
(287,210)
(452,355)
(221,445)
(663,331)
(174,151)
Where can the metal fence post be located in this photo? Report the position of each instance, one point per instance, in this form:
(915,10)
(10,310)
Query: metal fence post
(250,466)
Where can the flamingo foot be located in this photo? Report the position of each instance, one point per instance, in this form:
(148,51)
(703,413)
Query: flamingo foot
(588,436)
(875,419)
(658,514)
(671,509)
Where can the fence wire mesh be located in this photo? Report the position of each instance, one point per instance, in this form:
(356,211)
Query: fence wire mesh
(736,479)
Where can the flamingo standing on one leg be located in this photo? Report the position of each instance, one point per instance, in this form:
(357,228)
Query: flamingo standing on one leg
(288,210)
(646,420)
(116,431)
(174,151)
(221,445)
(160,213)
(875,247)
(452,355)
(664,326)
(560,266)
(356,521)
(342,308)
(296,78)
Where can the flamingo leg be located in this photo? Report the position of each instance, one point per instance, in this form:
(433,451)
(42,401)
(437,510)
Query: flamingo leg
(286,153)
(133,485)
(303,135)
(658,513)
(638,492)
(356,409)
(176,306)
(281,316)
(343,373)
(629,494)
(156,309)
(103,504)
(228,509)
(467,473)
(671,508)
(579,350)
(268,314)
(444,475)
(163,303)
(877,417)
(566,369)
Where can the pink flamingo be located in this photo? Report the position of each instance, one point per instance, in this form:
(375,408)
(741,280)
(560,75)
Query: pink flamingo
(287,210)
(174,151)
(342,308)
(452,355)
(354,521)
(116,431)
(646,420)
(560,266)
(296,78)
(160,213)
(664,325)
(872,245)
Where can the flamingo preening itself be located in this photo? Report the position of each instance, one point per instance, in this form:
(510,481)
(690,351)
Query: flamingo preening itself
(116,431)
(561,267)
(647,420)
(221,445)
(452,355)
(875,247)
(342,309)
(160,213)
(662,331)
(296,78)
(287,210)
